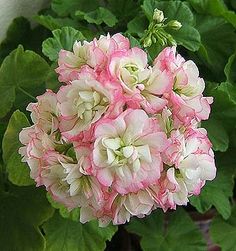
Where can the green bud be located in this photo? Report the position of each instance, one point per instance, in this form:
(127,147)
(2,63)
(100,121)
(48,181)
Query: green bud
(174,24)
(158,15)
(147,42)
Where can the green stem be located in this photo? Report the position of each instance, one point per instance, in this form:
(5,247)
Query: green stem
(26,93)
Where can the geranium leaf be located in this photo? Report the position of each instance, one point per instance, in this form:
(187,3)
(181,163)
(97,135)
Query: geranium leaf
(217,193)
(214,8)
(68,7)
(98,16)
(68,235)
(230,67)
(218,41)
(22,211)
(217,134)
(18,172)
(63,38)
(24,83)
(178,233)
(223,232)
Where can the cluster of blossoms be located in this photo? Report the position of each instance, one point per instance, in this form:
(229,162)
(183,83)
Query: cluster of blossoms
(120,138)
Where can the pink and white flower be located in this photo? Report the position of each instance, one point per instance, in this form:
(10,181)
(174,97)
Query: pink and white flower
(121,138)
(81,104)
(45,112)
(127,151)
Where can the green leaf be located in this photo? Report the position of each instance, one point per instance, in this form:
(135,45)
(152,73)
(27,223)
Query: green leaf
(223,232)
(18,172)
(229,70)
(214,8)
(124,10)
(67,235)
(62,39)
(217,134)
(17,82)
(218,43)
(138,25)
(158,234)
(52,23)
(224,106)
(217,193)
(68,7)
(20,32)
(22,211)
(133,41)
(17,33)
(98,16)
(52,81)
(187,35)
(64,212)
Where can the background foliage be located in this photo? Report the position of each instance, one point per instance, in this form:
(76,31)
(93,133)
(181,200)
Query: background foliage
(30,220)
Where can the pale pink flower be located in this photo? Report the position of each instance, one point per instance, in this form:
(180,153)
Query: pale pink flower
(169,60)
(70,63)
(108,44)
(191,155)
(68,180)
(127,151)
(81,104)
(45,112)
(120,208)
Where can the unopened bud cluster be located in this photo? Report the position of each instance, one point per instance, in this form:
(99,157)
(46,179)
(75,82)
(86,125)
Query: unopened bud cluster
(156,32)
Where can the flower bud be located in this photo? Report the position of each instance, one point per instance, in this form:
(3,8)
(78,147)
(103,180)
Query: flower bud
(147,42)
(158,15)
(174,24)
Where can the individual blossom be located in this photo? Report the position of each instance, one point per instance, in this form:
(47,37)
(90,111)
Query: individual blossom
(120,208)
(141,84)
(70,63)
(130,68)
(45,112)
(36,142)
(92,54)
(127,150)
(109,44)
(186,98)
(81,104)
(68,180)
(169,60)
(191,163)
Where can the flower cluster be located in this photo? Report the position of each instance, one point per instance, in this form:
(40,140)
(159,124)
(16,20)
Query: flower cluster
(120,138)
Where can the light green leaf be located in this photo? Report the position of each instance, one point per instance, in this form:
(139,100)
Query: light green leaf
(217,192)
(217,134)
(214,8)
(230,69)
(218,43)
(17,82)
(67,235)
(98,16)
(178,233)
(223,232)
(62,39)
(22,211)
(18,172)
(187,35)
(68,7)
